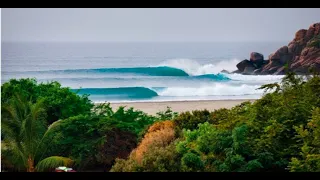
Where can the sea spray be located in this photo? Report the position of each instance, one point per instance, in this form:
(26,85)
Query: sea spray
(192,67)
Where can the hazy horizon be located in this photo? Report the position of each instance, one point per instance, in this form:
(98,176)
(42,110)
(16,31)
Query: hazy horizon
(155,25)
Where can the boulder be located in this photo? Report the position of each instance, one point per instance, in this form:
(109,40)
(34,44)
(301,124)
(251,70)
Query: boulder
(316,28)
(280,71)
(271,67)
(300,35)
(310,33)
(282,55)
(292,48)
(274,56)
(243,64)
(301,54)
(256,59)
(248,70)
(273,70)
(287,58)
(283,50)
(309,58)
(257,71)
(236,72)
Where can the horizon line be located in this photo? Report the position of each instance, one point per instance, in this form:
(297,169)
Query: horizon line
(143,41)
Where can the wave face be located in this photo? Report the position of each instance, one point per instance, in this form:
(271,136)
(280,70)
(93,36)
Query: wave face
(213,91)
(217,77)
(119,93)
(149,71)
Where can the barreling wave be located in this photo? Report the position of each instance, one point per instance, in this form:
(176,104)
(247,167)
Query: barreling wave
(123,92)
(217,89)
(150,71)
(214,77)
(173,67)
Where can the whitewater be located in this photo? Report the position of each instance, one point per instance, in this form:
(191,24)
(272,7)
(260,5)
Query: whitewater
(111,76)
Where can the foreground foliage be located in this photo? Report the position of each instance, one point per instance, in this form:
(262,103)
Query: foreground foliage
(23,124)
(59,102)
(279,132)
(93,136)
(95,141)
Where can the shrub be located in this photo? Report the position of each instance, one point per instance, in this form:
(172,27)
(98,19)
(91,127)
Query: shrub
(156,141)
(159,135)
(309,161)
(187,120)
(95,140)
(60,102)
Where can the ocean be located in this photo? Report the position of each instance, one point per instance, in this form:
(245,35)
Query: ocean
(125,72)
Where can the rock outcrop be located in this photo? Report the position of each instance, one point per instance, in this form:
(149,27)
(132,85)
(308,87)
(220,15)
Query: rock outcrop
(256,59)
(301,55)
(251,66)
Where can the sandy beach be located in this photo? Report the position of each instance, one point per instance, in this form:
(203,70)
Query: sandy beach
(180,106)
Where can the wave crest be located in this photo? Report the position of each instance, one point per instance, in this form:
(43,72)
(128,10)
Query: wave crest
(194,68)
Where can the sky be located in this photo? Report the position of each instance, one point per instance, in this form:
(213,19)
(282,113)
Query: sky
(155,25)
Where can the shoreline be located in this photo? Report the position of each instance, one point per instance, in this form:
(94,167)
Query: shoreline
(179,106)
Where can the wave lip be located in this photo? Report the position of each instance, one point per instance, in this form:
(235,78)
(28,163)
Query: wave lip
(217,77)
(151,71)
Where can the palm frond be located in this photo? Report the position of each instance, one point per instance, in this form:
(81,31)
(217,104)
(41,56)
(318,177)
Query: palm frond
(14,154)
(11,129)
(53,162)
(23,126)
(41,144)
(54,124)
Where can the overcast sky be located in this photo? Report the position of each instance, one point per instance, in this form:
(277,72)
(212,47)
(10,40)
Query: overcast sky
(155,24)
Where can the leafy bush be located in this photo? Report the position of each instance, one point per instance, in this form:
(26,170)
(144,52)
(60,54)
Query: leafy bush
(210,149)
(309,161)
(60,102)
(160,134)
(187,120)
(272,134)
(166,115)
(156,140)
(96,140)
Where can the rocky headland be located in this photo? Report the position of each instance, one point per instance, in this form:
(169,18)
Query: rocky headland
(301,55)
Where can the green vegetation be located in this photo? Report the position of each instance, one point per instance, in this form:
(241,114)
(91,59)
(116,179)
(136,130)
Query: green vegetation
(59,102)
(279,132)
(107,135)
(23,124)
